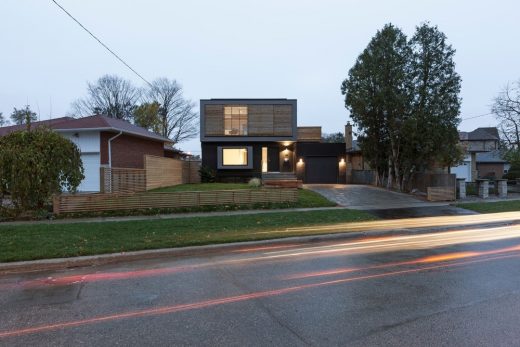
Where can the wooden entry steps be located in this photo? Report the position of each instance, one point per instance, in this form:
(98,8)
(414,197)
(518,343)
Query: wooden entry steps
(281,179)
(283,183)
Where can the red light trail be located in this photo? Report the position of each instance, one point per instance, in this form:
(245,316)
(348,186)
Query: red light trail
(234,299)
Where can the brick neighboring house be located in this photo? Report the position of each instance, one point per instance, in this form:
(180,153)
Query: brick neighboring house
(491,165)
(103,142)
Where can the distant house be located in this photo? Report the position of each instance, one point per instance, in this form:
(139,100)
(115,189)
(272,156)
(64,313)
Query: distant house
(103,142)
(476,143)
(492,165)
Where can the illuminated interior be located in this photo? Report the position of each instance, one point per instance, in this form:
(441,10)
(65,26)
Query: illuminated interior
(234,156)
(264,159)
(235,120)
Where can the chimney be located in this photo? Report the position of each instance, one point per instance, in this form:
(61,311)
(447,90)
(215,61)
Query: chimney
(348,136)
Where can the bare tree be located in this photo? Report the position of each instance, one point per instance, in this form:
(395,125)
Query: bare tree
(506,108)
(110,96)
(178,120)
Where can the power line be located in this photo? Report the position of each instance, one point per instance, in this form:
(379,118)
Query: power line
(480,115)
(101,43)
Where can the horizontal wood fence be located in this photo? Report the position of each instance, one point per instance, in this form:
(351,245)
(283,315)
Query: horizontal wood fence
(158,172)
(441,193)
(136,201)
(122,180)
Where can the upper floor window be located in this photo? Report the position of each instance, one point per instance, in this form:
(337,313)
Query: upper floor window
(235,120)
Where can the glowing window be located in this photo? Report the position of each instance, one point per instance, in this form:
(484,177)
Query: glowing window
(234,156)
(235,120)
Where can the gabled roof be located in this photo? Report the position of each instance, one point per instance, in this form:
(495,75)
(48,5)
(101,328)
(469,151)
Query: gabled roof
(98,123)
(480,134)
(51,123)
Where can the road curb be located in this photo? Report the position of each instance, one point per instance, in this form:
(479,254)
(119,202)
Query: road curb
(192,251)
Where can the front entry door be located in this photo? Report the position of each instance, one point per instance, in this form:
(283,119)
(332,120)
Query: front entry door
(273,159)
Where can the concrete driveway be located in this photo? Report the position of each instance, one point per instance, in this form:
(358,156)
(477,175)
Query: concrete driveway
(384,203)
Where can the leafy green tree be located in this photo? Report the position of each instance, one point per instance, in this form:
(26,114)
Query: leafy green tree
(3,121)
(36,164)
(146,115)
(404,97)
(433,134)
(23,115)
(377,94)
(333,138)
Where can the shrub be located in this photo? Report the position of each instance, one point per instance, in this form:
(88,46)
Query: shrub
(512,174)
(207,175)
(255,182)
(35,164)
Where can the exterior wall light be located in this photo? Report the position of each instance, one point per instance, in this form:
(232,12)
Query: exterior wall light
(342,161)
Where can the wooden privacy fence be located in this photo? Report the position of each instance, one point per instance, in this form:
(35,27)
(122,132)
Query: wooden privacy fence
(158,172)
(122,180)
(136,201)
(441,193)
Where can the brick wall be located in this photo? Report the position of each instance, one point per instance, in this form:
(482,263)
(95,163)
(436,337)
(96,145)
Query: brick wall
(490,170)
(128,151)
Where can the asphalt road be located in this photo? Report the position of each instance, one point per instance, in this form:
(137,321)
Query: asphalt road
(453,288)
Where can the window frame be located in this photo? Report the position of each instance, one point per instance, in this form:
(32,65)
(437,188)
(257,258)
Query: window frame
(220,158)
(241,116)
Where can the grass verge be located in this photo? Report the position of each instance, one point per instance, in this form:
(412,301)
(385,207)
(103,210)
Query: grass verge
(42,241)
(492,207)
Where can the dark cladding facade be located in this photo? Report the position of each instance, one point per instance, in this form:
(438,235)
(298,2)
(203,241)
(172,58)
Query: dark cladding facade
(246,138)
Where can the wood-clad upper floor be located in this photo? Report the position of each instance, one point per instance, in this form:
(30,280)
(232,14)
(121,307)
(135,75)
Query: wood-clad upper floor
(309,134)
(248,120)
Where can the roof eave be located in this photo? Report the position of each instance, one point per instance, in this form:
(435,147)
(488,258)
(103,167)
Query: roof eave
(158,138)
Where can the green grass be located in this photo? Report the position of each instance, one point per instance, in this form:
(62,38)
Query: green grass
(41,241)
(306,198)
(492,207)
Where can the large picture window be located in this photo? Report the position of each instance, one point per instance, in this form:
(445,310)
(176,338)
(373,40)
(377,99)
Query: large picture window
(235,120)
(235,157)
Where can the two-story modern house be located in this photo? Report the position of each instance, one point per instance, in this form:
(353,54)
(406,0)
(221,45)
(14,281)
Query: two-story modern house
(246,138)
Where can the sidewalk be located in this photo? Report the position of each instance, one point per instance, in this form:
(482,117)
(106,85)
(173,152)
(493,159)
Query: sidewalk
(167,216)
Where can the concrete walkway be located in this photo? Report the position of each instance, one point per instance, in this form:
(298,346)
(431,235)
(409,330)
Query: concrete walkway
(167,216)
(362,197)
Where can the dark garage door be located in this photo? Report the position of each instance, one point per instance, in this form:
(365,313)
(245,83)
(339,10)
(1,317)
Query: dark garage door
(321,170)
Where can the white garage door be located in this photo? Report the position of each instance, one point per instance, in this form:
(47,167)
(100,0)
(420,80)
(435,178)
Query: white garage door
(462,171)
(91,166)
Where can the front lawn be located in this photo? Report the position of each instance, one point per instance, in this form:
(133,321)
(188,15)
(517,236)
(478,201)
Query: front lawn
(306,198)
(42,241)
(203,187)
(492,207)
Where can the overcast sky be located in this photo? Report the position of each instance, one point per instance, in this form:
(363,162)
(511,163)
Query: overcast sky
(239,49)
